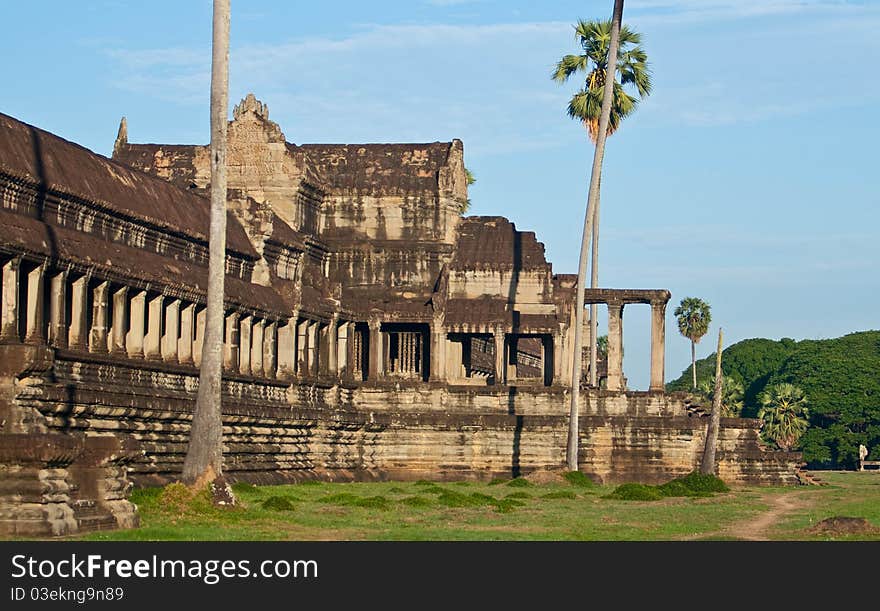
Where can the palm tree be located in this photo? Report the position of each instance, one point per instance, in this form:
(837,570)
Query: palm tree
(594,38)
(732,392)
(693,316)
(204,454)
(592,202)
(783,414)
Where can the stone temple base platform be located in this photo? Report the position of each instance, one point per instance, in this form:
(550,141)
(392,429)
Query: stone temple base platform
(77,433)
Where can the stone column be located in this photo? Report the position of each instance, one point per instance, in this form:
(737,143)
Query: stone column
(376,351)
(11,276)
(58,310)
(287,349)
(500,361)
(231,343)
(658,345)
(134,340)
(312,349)
(78,339)
(437,370)
(244,361)
(558,358)
(153,340)
(198,342)
(120,318)
(171,339)
(302,340)
(615,346)
(333,347)
(270,358)
(185,343)
(353,358)
(98,332)
(342,350)
(454,356)
(257,347)
(34,332)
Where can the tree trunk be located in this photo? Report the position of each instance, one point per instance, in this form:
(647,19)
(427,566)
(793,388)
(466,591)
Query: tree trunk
(594,283)
(694,364)
(708,465)
(592,200)
(204,455)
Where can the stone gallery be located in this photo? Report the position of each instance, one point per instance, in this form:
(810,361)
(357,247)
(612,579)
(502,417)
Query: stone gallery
(371,330)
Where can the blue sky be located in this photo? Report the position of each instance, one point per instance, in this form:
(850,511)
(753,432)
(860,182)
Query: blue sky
(746,179)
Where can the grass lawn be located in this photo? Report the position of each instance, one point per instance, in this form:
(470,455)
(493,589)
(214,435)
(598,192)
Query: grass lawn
(516,510)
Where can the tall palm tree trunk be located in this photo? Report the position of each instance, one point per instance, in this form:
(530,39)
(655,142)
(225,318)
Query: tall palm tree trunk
(592,201)
(708,465)
(204,455)
(594,283)
(694,364)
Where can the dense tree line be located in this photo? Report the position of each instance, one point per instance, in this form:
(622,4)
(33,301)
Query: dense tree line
(838,376)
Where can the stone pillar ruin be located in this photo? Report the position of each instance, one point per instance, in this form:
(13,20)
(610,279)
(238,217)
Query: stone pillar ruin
(58,310)
(658,345)
(34,333)
(287,348)
(500,361)
(270,361)
(134,340)
(198,342)
(244,361)
(333,347)
(78,337)
(120,317)
(437,371)
(342,351)
(312,348)
(257,347)
(153,339)
(11,272)
(98,332)
(302,364)
(376,351)
(615,345)
(172,328)
(558,358)
(185,343)
(231,343)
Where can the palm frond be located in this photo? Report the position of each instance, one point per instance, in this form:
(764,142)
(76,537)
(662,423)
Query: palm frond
(568,65)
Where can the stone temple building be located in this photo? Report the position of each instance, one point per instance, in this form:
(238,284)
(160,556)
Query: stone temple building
(371,330)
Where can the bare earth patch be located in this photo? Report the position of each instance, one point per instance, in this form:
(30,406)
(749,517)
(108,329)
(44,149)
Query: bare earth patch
(842,525)
(543,477)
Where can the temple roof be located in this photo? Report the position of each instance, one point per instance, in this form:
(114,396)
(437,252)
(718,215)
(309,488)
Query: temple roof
(376,167)
(50,162)
(492,242)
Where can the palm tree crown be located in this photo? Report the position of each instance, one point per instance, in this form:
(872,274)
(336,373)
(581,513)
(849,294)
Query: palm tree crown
(783,414)
(632,68)
(693,315)
(731,394)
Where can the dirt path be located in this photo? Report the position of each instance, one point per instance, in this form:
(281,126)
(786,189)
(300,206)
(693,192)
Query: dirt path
(758,527)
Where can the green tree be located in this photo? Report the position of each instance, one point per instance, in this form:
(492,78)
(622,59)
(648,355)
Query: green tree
(204,455)
(731,394)
(631,73)
(783,415)
(471,179)
(693,315)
